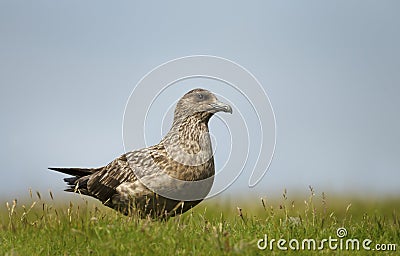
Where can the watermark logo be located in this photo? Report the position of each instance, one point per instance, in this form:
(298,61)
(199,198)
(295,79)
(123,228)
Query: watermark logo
(341,232)
(340,242)
(244,143)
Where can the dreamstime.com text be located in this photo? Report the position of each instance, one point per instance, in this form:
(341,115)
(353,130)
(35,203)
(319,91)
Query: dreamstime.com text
(340,242)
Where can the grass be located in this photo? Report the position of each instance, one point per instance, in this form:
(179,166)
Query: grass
(84,227)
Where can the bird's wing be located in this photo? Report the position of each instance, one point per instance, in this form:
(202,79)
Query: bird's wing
(125,169)
(103,184)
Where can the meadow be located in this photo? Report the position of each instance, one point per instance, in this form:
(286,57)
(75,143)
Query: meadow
(44,224)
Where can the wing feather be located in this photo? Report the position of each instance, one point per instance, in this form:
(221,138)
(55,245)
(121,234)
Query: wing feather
(125,169)
(103,184)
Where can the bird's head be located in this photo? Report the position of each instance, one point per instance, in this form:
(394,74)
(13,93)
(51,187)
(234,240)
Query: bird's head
(200,103)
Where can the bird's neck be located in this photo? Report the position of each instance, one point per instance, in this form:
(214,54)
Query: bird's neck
(189,137)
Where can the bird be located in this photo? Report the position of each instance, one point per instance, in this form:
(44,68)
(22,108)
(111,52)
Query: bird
(163,180)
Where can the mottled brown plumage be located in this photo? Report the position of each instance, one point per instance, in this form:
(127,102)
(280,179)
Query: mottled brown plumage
(162,180)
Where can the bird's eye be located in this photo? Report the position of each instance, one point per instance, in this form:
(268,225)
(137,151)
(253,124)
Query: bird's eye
(200,96)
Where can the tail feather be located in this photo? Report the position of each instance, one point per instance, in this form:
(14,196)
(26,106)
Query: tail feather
(77,183)
(78,172)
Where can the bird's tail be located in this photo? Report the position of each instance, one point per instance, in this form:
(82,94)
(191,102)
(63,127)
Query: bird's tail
(78,181)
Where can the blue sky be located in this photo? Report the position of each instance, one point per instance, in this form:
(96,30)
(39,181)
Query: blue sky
(331,71)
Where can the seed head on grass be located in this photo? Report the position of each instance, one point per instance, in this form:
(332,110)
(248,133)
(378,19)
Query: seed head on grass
(51,195)
(240,213)
(38,195)
(263,204)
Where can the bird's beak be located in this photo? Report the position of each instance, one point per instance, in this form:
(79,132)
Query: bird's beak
(220,106)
